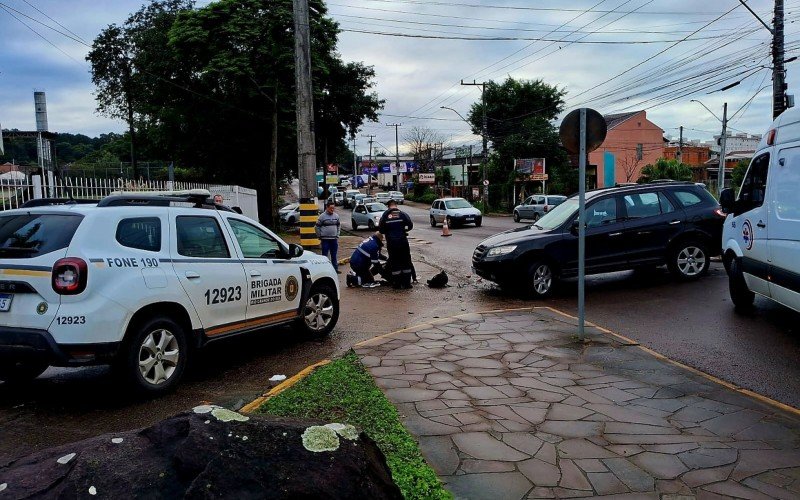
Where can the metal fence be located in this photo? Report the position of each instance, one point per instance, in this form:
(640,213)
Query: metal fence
(17,189)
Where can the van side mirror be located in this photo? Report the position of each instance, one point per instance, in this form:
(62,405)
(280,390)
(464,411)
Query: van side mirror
(295,250)
(727,200)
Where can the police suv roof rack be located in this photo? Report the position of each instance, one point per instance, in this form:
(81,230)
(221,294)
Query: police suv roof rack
(46,202)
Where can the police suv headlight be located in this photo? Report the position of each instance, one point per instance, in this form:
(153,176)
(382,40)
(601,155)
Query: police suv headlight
(497,251)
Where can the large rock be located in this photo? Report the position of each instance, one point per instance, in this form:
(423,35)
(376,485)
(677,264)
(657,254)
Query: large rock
(208,453)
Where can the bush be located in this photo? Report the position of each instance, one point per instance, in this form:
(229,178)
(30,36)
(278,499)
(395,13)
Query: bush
(427,198)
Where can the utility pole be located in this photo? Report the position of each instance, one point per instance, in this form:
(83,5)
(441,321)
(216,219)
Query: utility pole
(680,146)
(306,156)
(369,173)
(485,141)
(723,141)
(778,69)
(396,152)
(355,159)
(780,101)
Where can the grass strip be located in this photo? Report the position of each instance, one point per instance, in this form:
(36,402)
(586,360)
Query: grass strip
(344,392)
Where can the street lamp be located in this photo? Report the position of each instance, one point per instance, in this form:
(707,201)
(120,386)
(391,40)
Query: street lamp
(483,135)
(724,120)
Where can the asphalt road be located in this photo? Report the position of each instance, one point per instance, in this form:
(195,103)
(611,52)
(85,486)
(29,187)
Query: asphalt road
(693,323)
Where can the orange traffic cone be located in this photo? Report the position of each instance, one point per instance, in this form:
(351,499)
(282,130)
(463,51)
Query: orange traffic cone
(445,228)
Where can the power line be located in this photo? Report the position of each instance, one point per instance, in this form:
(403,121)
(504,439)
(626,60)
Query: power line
(58,23)
(5,8)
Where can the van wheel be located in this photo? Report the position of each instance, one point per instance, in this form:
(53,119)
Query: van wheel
(688,260)
(21,371)
(516,216)
(541,280)
(155,356)
(433,221)
(320,312)
(353,224)
(741,296)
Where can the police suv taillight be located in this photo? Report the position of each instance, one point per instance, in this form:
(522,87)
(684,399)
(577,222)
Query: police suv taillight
(69,276)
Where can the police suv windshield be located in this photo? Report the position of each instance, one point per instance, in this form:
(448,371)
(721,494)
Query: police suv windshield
(557,216)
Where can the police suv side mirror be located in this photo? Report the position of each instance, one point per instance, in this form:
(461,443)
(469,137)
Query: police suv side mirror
(727,200)
(295,250)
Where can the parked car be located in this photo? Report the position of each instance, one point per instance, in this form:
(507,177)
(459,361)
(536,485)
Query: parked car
(536,206)
(337,198)
(348,197)
(761,239)
(397,196)
(367,214)
(361,200)
(382,197)
(674,223)
(291,216)
(457,212)
(141,281)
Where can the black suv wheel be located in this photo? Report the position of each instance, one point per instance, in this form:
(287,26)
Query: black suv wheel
(541,280)
(688,260)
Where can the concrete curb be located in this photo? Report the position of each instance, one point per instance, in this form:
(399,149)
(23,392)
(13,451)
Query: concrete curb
(256,403)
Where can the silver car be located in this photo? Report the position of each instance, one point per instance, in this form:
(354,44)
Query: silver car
(456,211)
(536,206)
(368,214)
(397,196)
(383,197)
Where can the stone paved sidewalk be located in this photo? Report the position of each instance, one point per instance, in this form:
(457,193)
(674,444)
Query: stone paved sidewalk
(509,405)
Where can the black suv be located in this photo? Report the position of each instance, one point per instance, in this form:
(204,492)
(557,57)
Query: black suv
(674,223)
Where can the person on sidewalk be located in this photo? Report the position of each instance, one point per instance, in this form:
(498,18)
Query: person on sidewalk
(367,254)
(328,228)
(395,225)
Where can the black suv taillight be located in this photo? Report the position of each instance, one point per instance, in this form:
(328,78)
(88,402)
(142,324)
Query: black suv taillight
(69,276)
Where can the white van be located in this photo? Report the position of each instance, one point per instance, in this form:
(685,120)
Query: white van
(761,236)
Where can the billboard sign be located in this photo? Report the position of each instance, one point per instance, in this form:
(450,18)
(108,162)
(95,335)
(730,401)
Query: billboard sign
(332,179)
(529,166)
(427,178)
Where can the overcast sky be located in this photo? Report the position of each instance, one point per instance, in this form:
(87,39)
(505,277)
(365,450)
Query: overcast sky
(655,55)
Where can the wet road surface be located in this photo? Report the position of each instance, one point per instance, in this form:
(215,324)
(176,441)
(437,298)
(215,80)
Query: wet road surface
(691,322)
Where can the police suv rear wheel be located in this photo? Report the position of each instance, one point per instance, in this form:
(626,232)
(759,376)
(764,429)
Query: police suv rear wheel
(320,312)
(22,371)
(155,356)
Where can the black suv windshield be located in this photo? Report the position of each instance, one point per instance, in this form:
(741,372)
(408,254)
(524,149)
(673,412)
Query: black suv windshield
(26,235)
(559,214)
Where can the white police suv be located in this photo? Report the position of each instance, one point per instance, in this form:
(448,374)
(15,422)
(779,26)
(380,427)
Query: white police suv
(139,281)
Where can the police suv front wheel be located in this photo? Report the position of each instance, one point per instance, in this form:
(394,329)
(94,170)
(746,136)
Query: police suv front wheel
(155,356)
(320,312)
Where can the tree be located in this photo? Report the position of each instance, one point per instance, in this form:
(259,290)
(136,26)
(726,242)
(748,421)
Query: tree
(630,164)
(215,88)
(666,169)
(520,124)
(419,140)
(739,171)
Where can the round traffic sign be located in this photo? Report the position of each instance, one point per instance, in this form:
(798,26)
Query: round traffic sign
(570,130)
(486,183)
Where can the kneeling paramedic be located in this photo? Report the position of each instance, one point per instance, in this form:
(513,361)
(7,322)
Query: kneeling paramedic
(367,254)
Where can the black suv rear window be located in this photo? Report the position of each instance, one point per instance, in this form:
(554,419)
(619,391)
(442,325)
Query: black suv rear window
(26,235)
(690,197)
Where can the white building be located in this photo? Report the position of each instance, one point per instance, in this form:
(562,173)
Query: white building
(737,142)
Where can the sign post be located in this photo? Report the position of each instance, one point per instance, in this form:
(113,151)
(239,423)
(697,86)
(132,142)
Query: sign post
(582,131)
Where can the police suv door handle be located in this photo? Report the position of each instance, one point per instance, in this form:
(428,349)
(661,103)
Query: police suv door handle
(192,275)
(254,274)
(761,224)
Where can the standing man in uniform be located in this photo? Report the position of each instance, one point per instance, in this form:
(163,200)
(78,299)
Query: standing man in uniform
(328,228)
(395,225)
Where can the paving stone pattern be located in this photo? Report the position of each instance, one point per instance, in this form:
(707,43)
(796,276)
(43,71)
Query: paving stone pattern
(510,405)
